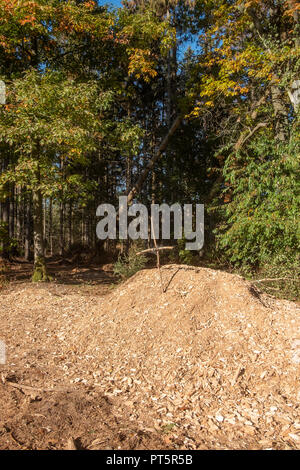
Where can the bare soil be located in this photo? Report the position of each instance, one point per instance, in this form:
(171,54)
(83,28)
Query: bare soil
(212,363)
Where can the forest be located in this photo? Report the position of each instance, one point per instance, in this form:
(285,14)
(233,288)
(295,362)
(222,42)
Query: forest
(92,92)
(155,341)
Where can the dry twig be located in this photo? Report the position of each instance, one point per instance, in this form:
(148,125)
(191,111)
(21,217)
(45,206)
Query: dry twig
(276,279)
(35,389)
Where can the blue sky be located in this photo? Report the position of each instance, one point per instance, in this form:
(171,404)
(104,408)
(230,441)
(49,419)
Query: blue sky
(116,3)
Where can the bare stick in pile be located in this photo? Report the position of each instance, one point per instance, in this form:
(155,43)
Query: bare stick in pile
(157,256)
(35,389)
(156,251)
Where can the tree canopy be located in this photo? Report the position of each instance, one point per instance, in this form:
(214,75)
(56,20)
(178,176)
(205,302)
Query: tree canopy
(93,91)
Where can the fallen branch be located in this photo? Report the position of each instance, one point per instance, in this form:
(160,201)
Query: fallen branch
(35,389)
(243,139)
(137,187)
(154,250)
(276,279)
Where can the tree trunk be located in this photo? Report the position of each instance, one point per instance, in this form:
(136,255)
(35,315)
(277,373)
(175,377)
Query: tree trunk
(5,219)
(50,236)
(40,269)
(27,227)
(70,226)
(38,225)
(281,114)
(44,202)
(18,213)
(61,229)
(12,212)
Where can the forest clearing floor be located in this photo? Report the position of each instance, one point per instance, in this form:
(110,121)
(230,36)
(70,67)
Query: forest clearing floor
(211,363)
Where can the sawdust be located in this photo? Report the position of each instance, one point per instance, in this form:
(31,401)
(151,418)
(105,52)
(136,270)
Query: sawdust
(212,363)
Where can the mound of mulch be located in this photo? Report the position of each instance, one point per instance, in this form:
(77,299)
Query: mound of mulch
(211,363)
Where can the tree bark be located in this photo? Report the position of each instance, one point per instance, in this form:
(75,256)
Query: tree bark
(61,229)
(70,226)
(18,213)
(281,114)
(5,219)
(37,204)
(40,269)
(50,228)
(27,227)
(12,211)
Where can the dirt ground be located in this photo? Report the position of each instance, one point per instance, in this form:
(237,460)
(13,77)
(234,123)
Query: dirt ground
(211,363)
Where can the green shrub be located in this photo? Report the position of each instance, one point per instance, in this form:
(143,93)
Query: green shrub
(185,256)
(130,263)
(284,269)
(259,227)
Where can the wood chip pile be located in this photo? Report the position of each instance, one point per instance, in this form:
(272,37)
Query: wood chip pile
(212,363)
